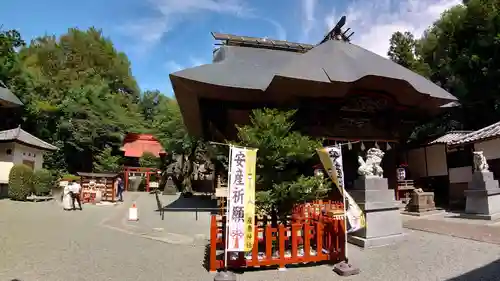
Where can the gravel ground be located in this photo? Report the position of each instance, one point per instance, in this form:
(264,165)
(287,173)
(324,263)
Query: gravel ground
(39,241)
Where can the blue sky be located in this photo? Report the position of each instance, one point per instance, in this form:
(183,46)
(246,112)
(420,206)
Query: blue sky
(163,36)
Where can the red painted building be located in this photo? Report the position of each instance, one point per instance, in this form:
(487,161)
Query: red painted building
(135,145)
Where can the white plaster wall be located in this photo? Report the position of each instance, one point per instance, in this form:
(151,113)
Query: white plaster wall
(416,163)
(490,148)
(4,157)
(436,160)
(5,171)
(461,174)
(22,152)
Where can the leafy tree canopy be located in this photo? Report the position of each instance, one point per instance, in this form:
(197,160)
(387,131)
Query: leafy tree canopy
(460,51)
(283,156)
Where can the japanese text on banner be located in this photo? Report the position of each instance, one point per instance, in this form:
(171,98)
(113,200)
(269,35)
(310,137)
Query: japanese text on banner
(251,157)
(331,157)
(236,204)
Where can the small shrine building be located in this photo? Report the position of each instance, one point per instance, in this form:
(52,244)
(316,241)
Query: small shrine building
(135,145)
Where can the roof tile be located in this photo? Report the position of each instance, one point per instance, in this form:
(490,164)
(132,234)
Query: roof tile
(22,136)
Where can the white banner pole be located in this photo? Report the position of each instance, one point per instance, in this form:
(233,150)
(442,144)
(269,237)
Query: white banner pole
(345,221)
(339,146)
(226,237)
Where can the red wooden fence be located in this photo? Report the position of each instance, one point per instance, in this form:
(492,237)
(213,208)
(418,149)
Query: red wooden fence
(317,238)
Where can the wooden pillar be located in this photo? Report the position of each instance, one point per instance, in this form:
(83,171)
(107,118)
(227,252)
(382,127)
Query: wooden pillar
(81,189)
(125,175)
(148,172)
(114,189)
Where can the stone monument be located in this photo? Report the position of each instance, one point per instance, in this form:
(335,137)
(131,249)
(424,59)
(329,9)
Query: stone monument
(371,191)
(421,201)
(483,194)
(170,187)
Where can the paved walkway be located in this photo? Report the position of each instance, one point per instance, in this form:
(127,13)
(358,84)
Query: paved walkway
(180,225)
(39,241)
(478,230)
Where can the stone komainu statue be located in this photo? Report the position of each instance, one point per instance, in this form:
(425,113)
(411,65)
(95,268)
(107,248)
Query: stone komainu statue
(371,167)
(480,164)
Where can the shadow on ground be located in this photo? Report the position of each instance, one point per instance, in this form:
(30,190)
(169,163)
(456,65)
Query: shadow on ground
(488,272)
(194,203)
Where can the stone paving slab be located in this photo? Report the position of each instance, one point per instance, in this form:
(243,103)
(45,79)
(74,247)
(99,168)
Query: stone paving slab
(482,233)
(453,217)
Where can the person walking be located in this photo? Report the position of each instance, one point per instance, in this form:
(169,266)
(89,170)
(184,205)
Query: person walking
(119,189)
(75,190)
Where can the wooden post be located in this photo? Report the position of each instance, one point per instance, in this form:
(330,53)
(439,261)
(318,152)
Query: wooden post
(81,189)
(113,189)
(213,244)
(397,191)
(148,171)
(125,175)
(281,243)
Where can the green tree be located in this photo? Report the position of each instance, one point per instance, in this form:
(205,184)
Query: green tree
(10,67)
(43,181)
(107,162)
(148,105)
(13,76)
(282,158)
(404,50)
(461,48)
(20,182)
(84,96)
(149,160)
(183,148)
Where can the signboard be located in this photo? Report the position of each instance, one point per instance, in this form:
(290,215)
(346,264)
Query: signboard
(401,174)
(221,192)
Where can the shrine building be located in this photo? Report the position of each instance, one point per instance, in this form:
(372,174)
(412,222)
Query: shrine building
(135,145)
(341,92)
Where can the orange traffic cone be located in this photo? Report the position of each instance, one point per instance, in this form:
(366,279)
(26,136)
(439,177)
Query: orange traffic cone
(132,213)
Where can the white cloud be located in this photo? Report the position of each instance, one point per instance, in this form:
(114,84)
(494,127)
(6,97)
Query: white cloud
(173,66)
(280,30)
(149,30)
(375,21)
(172,12)
(174,7)
(194,61)
(308,17)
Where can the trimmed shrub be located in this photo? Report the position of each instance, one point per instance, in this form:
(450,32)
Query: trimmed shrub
(20,182)
(43,181)
(70,177)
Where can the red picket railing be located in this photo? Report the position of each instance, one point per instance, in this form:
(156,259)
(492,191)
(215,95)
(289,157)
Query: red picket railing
(303,240)
(318,209)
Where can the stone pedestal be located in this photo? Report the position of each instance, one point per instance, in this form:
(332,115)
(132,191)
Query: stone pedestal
(170,188)
(421,202)
(483,197)
(383,219)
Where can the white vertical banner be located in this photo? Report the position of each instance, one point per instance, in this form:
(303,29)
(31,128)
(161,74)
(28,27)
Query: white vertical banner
(236,204)
(331,157)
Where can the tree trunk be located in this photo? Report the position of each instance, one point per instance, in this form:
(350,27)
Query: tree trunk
(187,183)
(180,175)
